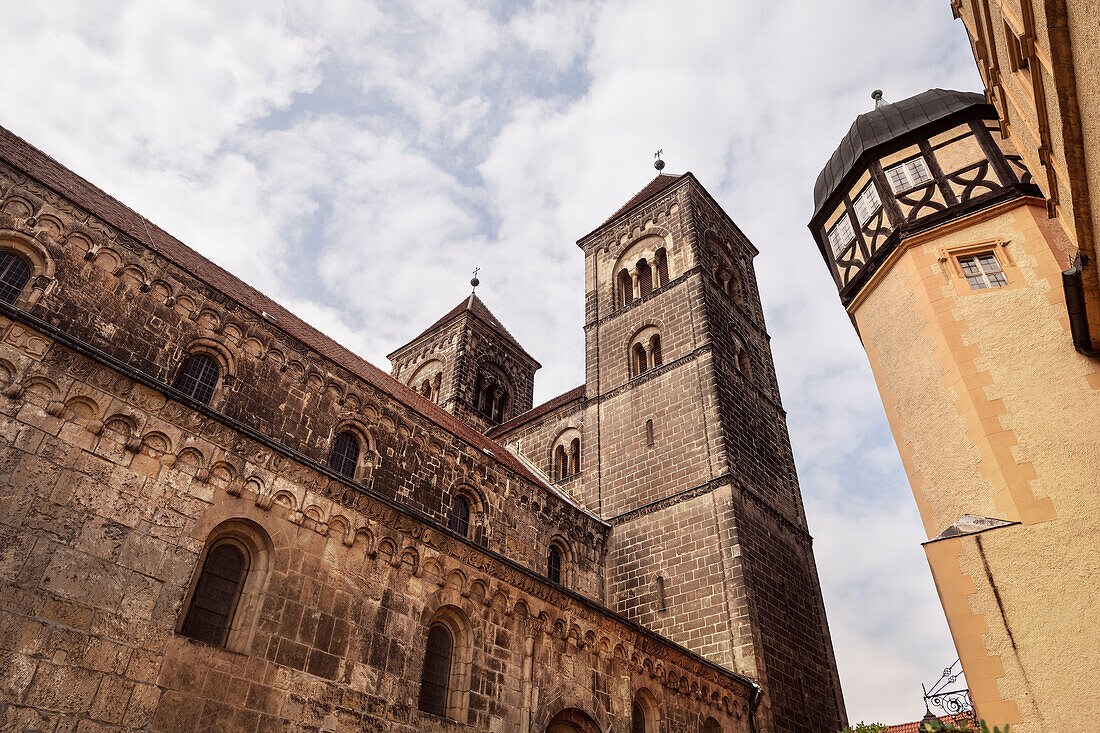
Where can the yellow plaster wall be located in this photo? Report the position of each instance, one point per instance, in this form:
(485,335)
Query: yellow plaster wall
(995,414)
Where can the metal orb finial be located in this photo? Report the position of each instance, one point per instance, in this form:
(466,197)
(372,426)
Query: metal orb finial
(473,280)
(658,163)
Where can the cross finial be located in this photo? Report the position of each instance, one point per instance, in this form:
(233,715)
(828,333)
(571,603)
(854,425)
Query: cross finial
(474,281)
(658,163)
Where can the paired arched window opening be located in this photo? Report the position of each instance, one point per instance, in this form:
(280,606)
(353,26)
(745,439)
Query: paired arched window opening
(199,378)
(445,676)
(727,281)
(566,455)
(427,381)
(225,593)
(459,521)
(645,351)
(648,274)
(345,454)
(15,273)
(493,399)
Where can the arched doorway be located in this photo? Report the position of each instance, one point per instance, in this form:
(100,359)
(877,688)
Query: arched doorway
(572,720)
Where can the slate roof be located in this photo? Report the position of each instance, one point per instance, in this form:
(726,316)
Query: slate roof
(472,304)
(884,124)
(651,189)
(28,159)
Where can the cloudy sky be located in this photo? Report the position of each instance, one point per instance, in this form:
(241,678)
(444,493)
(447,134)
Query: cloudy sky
(356,160)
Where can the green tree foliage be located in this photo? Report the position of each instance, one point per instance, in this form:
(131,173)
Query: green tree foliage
(865,728)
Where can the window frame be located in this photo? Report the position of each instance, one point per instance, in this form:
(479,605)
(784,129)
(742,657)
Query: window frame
(871,189)
(14,259)
(990,279)
(843,223)
(355,440)
(455,516)
(904,167)
(200,356)
(197,596)
(429,704)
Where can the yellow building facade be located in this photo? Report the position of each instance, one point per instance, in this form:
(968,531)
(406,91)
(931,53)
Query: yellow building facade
(939,240)
(1039,62)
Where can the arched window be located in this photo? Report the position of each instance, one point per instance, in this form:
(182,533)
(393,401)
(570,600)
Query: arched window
(460,516)
(14,275)
(743,364)
(436,675)
(662,267)
(645,278)
(637,719)
(553,565)
(199,378)
(215,598)
(492,397)
(626,289)
(655,350)
(561,463)
(575,456)
(345,454)
(649,440)
(641,361)
(711,726)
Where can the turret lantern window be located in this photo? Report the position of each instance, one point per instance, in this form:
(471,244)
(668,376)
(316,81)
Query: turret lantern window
(909,174)
(841,235)
(492,398)
(867,203)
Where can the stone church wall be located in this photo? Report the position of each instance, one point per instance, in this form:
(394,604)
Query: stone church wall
(112,485)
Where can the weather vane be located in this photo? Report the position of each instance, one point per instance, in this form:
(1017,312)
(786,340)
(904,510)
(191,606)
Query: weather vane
(658,163)
(473,280)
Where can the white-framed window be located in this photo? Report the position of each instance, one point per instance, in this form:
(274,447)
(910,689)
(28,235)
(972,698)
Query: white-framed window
(841,235)
(909,174)
(983,271)
(867,203)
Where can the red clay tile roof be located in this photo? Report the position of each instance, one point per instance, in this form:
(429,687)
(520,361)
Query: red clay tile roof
(538,411)
(654,187)
(914,727)
(472,304)
(33,162)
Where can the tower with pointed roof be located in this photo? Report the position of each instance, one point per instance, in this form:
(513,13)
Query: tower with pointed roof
(955,278)
(468,363)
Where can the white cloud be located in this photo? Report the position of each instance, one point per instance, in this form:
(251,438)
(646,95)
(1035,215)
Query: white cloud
(356,160)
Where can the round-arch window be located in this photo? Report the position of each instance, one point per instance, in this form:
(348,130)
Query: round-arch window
(637,719)
(435,676)
(460,516)
(199,378)
(345,455)
(14,274)
(216,594)
(553,565)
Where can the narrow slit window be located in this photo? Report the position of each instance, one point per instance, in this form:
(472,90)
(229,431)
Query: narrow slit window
(460,516)
(435,677)
(662,601)
(649,440)
(216,594)
(983,271)
(553,565)
(345,455)
(199,378)
(14,275)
